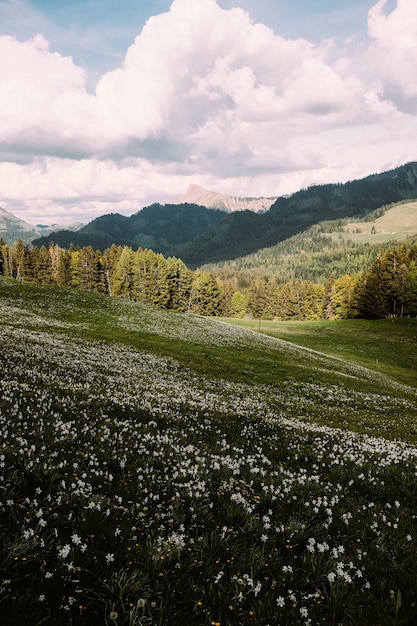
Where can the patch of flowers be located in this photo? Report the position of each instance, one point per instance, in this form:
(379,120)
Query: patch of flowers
(135,490)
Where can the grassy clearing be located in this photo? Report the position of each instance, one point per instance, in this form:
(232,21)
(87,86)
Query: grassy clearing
(165,469)
(397,224)
(386,346)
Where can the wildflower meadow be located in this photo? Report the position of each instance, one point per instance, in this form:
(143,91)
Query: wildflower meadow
(158,468)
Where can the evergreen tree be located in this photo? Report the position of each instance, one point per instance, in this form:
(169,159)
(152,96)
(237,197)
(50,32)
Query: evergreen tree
(8,261)
(43,266)
(342,302)
(179,280)
(206,296)
(262,299)
(2,245)
(75,266)
(91,270)
(237,305)
(158,283)
(289,301)
(109,261)
(122,280)
(411,295)
(23,269)
(372,291)
(63,268)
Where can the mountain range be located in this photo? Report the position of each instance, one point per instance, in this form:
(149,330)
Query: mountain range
(199,235)
(13,228)
(212,200)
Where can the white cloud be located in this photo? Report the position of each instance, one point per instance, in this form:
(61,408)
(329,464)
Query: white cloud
(204,95)
(394,51)
(44,107)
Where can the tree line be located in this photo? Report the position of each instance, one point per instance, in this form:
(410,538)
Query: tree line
(388,287)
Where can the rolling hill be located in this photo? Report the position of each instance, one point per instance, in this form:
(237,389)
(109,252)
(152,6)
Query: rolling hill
(328,249)
(13,228)
(199,235)
(238,235)
(163,228)
(165,468)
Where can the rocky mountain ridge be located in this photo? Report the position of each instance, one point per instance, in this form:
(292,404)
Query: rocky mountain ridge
(196,194)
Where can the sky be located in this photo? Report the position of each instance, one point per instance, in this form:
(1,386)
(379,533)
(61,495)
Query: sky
(111,105)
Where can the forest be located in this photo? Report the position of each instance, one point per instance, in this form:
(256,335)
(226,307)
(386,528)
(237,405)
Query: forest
(386,287)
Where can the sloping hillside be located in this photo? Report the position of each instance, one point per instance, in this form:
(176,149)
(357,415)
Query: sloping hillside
(199,235)
(328,249)
(294,214)
(164,468)
(162,228)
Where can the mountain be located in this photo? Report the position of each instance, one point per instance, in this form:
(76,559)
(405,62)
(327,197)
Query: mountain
(212,200)
(163,228)
(12,228)
(242,233)
(199,235)
(326,250)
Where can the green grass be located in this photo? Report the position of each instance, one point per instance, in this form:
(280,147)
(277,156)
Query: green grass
(164,469)
(386,346)
(397,224)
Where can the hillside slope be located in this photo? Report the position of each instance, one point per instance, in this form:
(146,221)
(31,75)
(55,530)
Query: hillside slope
(163,228)
(328,249)
(13,228)
(294,214)
(167,469)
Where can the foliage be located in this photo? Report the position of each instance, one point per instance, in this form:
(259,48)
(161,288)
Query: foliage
(159,468)
(199,235)
(240,234)
(164,228)
(388,287)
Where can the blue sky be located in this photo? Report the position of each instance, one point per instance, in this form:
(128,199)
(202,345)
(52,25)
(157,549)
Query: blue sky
(109,105)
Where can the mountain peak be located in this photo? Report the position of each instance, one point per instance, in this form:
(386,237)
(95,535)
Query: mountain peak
(196,194)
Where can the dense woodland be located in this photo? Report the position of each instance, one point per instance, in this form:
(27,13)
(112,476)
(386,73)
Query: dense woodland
(199,235)
(387,287)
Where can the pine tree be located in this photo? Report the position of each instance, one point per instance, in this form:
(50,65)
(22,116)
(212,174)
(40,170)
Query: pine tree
(8,261)
(343,298)
(75,266)
(91,270)
(22,262)
(63,269)
(411,294)
(262,299)
(179,279)
(2,245)
(206,296)
(109,261)
(122,282)
(43,267)
(237,305)
(372,291)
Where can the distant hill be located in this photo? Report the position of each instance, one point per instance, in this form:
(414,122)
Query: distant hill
(242,233)
(199,235)
(327,249)
(163,228)
(13,228)
(212,200)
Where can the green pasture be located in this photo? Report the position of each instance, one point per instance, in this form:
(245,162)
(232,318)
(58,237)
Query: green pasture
(397,224)
(162,469)
(386,346)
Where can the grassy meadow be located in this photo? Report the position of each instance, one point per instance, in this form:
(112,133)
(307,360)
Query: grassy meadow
(387,346)
(397,224)
(165,469)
